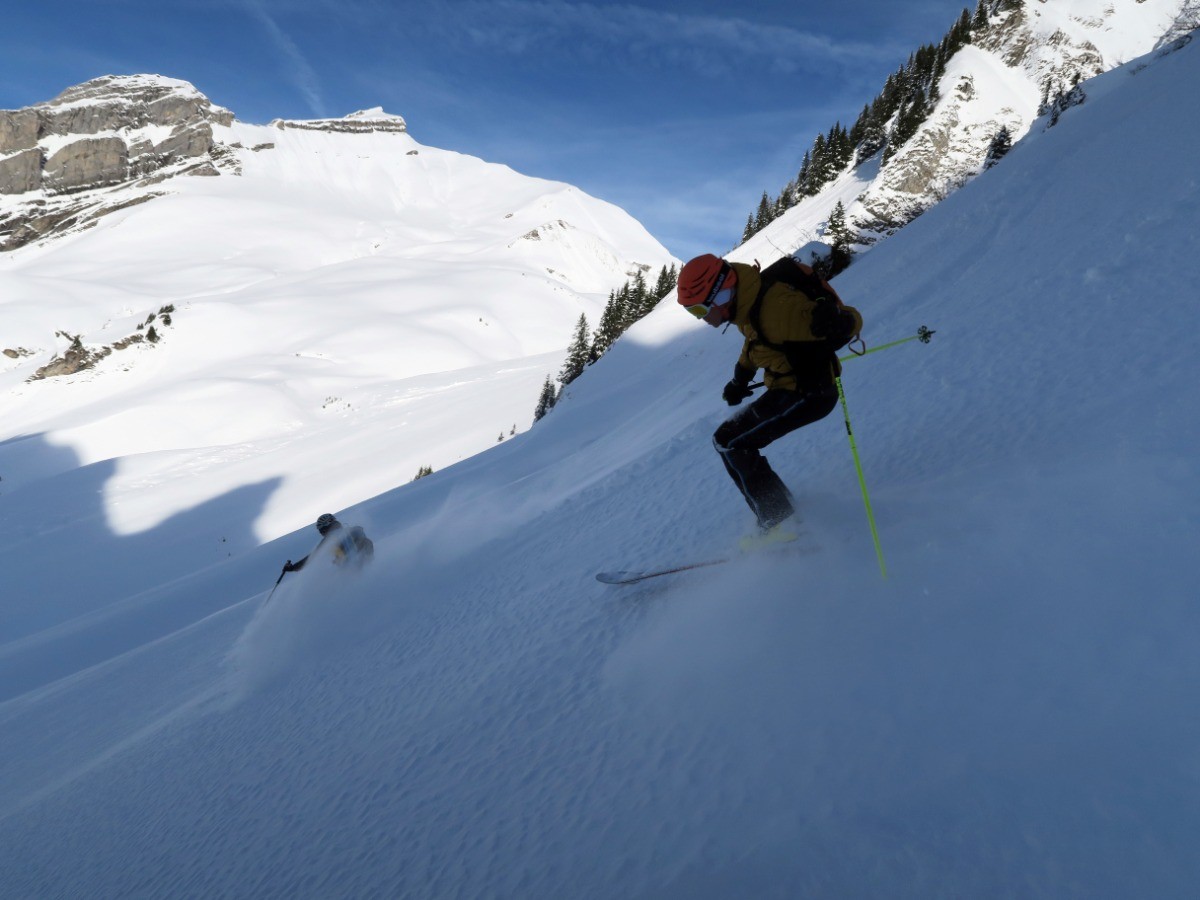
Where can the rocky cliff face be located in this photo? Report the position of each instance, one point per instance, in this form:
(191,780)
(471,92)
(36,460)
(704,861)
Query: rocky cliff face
(105,132)
(113,142)
(61,160)
(1030,63)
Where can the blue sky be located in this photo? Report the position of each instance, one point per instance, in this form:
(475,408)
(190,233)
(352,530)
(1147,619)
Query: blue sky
(681,113)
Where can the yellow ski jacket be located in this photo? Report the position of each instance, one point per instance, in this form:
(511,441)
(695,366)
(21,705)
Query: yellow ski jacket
(791,356)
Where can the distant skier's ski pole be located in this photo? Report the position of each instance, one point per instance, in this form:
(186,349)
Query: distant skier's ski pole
(862,481)
(277,580)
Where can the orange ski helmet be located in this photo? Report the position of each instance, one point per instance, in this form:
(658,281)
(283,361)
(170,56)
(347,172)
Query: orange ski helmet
(701,278)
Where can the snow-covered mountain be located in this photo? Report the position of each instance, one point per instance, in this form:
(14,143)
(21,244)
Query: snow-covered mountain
(338,294)
(1024,64)
(1010,714)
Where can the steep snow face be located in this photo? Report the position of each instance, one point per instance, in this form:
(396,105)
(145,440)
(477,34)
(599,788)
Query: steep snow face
(355,284)
(1031,54)
(1010,714)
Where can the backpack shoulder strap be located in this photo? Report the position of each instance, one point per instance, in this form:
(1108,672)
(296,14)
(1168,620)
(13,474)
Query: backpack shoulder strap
(768,280)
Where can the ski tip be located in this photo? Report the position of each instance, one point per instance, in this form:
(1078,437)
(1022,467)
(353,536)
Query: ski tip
(614,577)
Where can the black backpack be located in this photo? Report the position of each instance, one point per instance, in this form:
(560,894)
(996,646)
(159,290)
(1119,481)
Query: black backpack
(812,357)
(801,277)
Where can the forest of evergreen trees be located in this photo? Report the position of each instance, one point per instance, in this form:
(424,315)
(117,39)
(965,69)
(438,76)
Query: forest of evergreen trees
(625,306)
(885,124)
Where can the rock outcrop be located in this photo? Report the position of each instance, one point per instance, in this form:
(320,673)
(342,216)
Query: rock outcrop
(21,172)
(104,145)
(66,162)
(105,132)
(362,122)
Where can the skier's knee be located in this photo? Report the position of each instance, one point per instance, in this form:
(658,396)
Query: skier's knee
(722,438)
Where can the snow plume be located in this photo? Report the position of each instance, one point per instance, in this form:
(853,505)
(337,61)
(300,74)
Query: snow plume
(311,616)
(323,611)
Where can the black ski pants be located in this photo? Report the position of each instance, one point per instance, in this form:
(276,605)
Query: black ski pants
(740,439)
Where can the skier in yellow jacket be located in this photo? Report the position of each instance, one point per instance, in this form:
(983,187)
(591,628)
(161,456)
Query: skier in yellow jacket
(793,324)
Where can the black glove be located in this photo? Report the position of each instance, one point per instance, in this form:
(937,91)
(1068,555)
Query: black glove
(287,567)
(735,392)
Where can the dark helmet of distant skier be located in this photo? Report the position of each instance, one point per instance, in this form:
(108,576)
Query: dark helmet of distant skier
(325,522)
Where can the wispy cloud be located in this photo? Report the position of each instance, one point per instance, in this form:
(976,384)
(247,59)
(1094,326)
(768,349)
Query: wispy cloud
(302,75)
(586,30)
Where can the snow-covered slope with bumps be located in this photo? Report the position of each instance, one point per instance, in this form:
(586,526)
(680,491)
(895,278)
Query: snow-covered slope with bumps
(1010,714)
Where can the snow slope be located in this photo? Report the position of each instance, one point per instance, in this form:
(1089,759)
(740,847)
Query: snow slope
(1010,714)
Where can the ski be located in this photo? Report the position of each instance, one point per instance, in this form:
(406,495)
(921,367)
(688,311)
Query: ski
(622,577)
(628,577)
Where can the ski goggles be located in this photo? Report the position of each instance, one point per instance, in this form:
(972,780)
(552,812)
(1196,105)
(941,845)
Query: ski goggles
(700,310)
(718,296)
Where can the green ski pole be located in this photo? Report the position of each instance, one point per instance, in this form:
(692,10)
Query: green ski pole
(862,481)
(923,335)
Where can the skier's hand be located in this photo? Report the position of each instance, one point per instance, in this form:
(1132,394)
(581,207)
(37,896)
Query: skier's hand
(735,392)
(287,567)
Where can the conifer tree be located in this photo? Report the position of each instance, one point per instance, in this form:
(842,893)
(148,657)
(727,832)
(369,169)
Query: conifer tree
(611,326)
(545,402)
(979,23)
(577,353)
(764,215)
(665,283)
(840,237)
(628,305)
(999,146)
(640,295)
(802,180)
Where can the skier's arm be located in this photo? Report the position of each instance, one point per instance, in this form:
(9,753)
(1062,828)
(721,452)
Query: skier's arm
(743,367)
(295,566)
